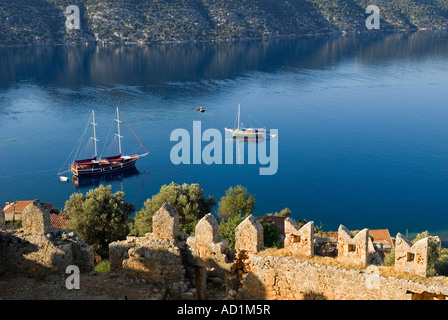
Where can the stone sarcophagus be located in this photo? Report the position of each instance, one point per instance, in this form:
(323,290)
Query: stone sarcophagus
(299,240)
(249,236)
(353,250)
(413,258)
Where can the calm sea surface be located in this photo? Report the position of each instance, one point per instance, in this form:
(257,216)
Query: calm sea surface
(362,122)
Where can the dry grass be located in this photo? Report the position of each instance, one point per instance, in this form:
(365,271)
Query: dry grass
(391,272)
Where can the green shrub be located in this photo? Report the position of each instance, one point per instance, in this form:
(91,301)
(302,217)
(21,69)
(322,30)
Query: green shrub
(99,217)
(103,267)
(187,199)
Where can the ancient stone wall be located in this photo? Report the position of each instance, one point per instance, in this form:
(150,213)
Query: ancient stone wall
(157,257)
(179,263)
(275,277)
(249,236)
(36,218)
(299,241)
(207,250)
(353,249)
(36,249)
(256,273)
(413,258)
(2,217)
(349,276)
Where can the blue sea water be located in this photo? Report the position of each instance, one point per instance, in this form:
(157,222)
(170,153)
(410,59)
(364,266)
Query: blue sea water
(362,122)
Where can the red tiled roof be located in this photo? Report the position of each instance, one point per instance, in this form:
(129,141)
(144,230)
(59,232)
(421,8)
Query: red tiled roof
(279,221)
(21,205)
(58,221)
(381,235)
(378,235)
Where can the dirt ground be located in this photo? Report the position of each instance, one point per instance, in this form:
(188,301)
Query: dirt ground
(93,286)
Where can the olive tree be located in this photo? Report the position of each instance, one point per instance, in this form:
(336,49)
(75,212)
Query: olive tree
(99,217)
(236,202)
(188,200)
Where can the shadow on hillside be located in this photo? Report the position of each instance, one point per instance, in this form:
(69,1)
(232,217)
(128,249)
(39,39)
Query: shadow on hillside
(13,260)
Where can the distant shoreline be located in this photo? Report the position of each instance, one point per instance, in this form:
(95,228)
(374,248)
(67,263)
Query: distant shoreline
(224,40)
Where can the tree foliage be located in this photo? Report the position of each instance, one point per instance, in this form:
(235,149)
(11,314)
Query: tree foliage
(271,235)
(236,202)
(99,217)
(187,200)
(286,212)
(227,229)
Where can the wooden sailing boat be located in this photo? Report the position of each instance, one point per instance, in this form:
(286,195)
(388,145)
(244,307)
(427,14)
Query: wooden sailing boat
(242,132)
(98,166)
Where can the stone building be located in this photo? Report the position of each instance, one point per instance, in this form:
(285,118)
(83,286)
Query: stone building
(13,210)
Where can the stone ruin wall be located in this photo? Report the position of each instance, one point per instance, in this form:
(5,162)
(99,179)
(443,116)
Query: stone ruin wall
(281,278)
(353,277)
(181,263)
(37,249)
(157,257)
(255,273)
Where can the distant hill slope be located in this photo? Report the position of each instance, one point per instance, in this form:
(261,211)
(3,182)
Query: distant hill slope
(43,21)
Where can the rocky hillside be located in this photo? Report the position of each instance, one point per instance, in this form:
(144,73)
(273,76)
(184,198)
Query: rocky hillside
(43,21)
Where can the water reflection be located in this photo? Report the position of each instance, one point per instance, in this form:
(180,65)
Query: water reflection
(345,157)
(158,64)
(108,178)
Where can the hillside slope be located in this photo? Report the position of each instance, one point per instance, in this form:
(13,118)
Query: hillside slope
(43,21)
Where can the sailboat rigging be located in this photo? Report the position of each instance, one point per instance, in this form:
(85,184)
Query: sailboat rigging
(103,165)
(241,131)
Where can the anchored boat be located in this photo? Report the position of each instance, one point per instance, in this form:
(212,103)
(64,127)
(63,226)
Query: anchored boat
(241,132)
(103,165)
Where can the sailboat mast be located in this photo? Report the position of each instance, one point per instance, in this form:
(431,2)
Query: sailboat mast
(118,132)
(238,116)
(94,132)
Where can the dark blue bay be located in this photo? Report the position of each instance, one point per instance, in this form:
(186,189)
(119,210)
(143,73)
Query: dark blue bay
(362,120)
